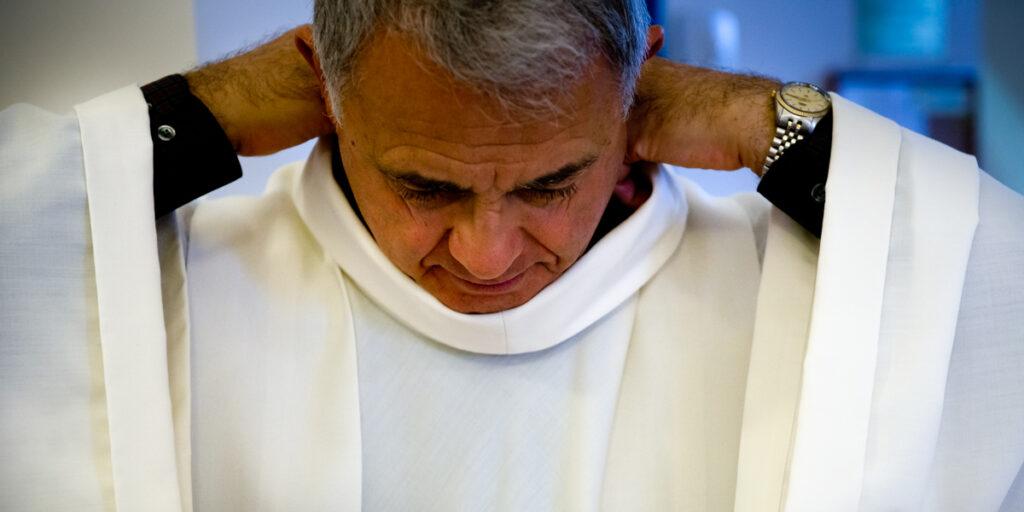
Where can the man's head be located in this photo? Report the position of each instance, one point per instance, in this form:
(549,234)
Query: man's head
(482,140)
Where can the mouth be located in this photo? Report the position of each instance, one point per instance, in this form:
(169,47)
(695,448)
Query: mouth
(489,287)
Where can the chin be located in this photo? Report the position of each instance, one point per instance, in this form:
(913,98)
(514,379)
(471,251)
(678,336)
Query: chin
(482,305)
(458,297)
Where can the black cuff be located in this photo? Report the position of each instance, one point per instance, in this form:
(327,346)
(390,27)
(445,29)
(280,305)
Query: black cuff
(795,183)
(191,153)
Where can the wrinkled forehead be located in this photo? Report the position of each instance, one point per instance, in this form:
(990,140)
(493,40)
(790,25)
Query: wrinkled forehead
(398,89)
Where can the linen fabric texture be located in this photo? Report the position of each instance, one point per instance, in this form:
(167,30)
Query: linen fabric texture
(707,354)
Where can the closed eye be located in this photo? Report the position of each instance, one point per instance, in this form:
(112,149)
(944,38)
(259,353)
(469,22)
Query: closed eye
(437,197)
(543,191)
(432,195)
(545,196)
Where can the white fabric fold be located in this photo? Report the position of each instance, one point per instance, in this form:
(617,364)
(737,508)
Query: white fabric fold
(839,366)
(883,321)
(119,183)
(818,378)
(605,277)
(934,224)
(274,377)
(776,360)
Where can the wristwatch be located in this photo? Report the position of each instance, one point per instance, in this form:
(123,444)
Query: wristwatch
(798,108)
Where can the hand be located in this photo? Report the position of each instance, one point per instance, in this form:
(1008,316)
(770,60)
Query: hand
(696,117)
(266,99)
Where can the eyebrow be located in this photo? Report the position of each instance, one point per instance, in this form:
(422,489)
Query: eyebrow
(564,174)
(556,178)
(418,181)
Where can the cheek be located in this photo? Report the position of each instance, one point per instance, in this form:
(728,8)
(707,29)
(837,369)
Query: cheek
(568,229)
(405,236)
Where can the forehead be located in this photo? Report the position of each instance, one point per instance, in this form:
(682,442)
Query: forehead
(398,92)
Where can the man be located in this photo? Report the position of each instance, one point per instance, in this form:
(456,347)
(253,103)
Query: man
(469,298)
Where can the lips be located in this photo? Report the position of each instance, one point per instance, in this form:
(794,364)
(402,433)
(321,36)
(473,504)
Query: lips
(490,287)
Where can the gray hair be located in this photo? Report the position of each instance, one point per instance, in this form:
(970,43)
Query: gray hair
(525,53)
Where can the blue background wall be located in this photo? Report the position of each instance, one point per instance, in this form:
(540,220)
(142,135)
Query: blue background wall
(1001,66)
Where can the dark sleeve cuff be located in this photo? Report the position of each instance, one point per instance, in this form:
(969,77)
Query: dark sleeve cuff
(795,183)
(191,153)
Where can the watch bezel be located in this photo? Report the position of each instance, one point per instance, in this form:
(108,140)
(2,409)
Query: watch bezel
(818,113)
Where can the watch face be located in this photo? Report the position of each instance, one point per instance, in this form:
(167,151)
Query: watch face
(805,98)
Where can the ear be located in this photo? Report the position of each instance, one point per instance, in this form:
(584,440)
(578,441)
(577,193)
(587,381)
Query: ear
(655,40)
(628,190)
(304,43)
(635,188)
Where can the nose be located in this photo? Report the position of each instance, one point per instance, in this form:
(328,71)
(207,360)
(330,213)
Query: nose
(486,244)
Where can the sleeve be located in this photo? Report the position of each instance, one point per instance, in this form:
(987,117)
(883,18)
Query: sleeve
(979,460)
(192,155)
(85,379)
(796,182)
(52,425)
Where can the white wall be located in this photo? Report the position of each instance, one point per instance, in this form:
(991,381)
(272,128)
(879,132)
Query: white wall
(56,53)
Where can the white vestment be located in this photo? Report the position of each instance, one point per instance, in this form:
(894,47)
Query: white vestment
(707,354)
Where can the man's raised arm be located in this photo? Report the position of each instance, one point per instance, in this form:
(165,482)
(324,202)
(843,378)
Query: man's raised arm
(267,99)
(254,103)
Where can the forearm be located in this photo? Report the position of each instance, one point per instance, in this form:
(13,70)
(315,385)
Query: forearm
(255,103)
(266,99)
(702,118)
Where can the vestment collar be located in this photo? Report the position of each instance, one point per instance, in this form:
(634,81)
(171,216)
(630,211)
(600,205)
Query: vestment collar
(608,275)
